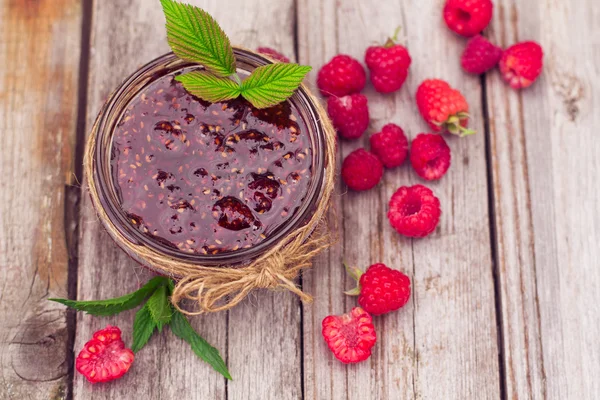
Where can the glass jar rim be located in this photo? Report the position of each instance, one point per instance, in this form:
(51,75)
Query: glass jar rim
(104,129)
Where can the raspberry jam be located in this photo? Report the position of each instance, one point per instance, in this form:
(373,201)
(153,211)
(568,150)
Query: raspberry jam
(208,178)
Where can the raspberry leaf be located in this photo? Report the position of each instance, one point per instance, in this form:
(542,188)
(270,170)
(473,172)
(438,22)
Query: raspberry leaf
(271,84)
(355,273)
(209,87)
(182,328)
(143,328)
(195,36)
(116,305)
(159,307)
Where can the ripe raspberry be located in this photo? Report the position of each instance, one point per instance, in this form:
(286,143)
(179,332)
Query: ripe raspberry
(444,108)
(351,336)
(274,54)
(341,76)
(414,211)
(430,156)
(480,55)
(468,17)
(361,170)
(104,358)
(388,65)
(349,114)
(380,289)
(390,145)
(521,64)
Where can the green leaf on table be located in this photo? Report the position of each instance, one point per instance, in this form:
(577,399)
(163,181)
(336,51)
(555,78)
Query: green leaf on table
(182,328)
(116,305)
(271,84)
(159,307)
(143,327)
(195,36)
(209,87)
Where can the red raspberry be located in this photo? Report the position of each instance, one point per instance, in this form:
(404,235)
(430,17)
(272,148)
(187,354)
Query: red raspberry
(361,170)
(349,114)
(390,145)
(414,211)
(430,156)
(480,55)
(521,64)
(468,17)
(380,289)
(341,76)
(104,358)
(444,108)
(351,336)
(274,54)
(388,65)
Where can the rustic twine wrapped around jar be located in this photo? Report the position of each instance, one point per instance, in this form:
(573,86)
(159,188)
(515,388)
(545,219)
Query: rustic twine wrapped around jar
(220,287)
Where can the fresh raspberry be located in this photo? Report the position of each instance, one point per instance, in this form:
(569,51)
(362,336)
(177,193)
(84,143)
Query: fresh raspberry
(414,211)
(430,156)
(480,55)
(361,170)
(274,54)
(390,145)
(349,114)
(104,358)
(468,17)
(380,289)
(341,76)
(388,65)
(351,336)
(521,64)
(444,108)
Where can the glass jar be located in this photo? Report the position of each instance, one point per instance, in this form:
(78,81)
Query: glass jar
(107,202)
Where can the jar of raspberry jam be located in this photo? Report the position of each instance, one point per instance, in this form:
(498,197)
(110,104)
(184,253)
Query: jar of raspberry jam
(204,183)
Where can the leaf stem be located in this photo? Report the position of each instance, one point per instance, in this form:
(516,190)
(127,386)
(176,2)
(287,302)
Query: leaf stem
(236,78)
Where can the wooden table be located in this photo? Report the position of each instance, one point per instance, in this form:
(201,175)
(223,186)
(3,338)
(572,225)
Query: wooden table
(506,298)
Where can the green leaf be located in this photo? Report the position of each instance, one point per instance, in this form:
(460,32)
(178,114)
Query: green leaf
(159,307)
(195,36)
(271,84)
(143,327)
(209,87)
(182,328)
(116,305)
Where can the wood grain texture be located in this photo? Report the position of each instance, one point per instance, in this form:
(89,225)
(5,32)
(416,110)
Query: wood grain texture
(545,168)
(443,344)
(39,49)
(261,337)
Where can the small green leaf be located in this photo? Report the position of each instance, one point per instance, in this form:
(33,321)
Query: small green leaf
(143,327)
(116,305)
(159,307)
(273,83)
(209,87)
(195,36)
(182,328)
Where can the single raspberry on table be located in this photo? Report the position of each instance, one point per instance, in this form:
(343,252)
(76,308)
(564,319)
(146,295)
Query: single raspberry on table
(388,65)
(104,358)
(349,114)
(414,211)
(274,54)
(361,170)
(521,64)
(480,55)
(443,108)
(468,17)
(390,145)
(341,76)
(351,336)
(430,156)
(380,289)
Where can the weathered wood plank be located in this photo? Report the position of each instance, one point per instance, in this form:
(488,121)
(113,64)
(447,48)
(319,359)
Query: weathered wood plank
(39,49)
(443,344)
(545,169)
(261,336)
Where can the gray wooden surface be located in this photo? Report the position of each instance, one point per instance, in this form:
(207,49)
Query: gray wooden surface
(505,292)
